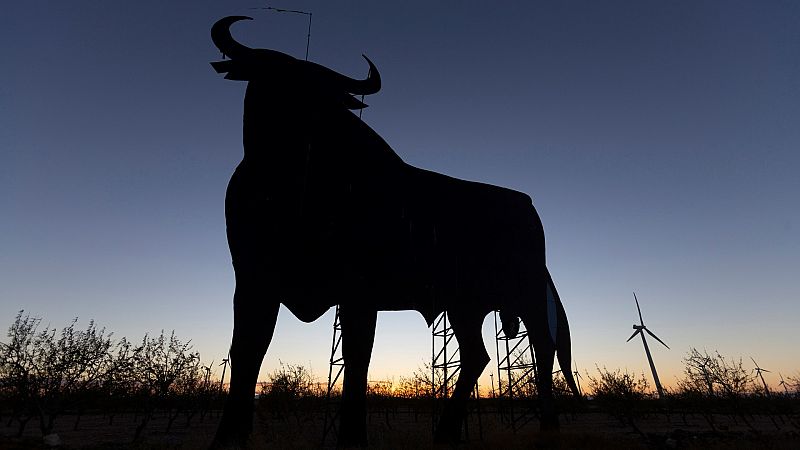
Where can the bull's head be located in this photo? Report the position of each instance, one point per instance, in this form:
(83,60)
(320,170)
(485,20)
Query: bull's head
(284,71)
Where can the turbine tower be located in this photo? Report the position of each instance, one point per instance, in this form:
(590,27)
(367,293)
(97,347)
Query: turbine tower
(759,370)
(639,330)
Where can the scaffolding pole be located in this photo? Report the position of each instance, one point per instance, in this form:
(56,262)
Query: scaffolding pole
(518,371)
(445,366)
(335,369)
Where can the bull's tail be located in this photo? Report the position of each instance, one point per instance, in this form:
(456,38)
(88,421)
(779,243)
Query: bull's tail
(559,333)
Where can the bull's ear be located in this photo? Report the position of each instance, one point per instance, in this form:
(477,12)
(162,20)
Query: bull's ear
(351,102)
(233,70)
(223,66)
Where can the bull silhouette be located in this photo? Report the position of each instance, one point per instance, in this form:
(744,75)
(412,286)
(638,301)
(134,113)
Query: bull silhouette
(322,212)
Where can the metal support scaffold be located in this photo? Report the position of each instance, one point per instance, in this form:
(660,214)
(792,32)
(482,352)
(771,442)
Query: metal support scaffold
(335,369)
(516,371)
(445,361)
(445,365)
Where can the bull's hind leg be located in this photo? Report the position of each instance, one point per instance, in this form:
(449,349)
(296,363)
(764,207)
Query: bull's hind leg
(539,336)
(358,335)
(254,319)
(467,328)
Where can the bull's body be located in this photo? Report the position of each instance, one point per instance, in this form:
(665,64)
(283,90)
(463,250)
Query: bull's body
(330,204)
(322,212)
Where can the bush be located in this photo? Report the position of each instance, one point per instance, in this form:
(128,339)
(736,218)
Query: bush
(715,376)
(621,394)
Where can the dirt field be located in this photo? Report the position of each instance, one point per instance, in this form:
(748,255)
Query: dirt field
(404,429)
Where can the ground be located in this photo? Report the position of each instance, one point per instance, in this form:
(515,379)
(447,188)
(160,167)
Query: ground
(403,428)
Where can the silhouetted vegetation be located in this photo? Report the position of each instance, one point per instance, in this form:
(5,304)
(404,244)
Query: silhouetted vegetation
(48,373)
(621,394)
(50,376)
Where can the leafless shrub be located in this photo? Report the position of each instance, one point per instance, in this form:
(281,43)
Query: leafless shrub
(380,389)
(48,371)
(290,380)
(160,367)
(715,376)
(424,381)
(291,390)
(45,373)
(620,393)
(714,384)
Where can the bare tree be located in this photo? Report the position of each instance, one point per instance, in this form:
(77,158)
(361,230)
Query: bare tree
(290,390)
(621,394)
(715,375)
(17,368)
(50,371)
(158,364)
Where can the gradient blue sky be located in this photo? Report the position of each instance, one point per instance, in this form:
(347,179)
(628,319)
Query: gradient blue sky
(659,140)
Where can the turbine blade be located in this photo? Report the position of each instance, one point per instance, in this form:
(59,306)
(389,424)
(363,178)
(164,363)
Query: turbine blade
(765,370)
(633,335)
(656,337)
(641,321)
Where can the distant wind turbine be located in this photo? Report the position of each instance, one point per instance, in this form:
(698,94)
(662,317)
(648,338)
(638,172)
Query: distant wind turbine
(758,371)
(783,383)
(224,365)
(207,376)
(578,379)
(639,328)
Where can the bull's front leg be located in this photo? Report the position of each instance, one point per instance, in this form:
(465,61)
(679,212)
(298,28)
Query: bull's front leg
(358,335)
(253,325)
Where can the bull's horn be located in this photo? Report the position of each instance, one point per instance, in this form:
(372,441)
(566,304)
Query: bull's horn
(371,84)
(367,86)
(221,35)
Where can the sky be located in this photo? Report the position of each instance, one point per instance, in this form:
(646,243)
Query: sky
(659,141)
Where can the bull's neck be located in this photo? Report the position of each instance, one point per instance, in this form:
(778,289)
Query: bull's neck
(272,128)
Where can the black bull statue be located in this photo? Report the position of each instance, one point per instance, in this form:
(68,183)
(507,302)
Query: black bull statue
(322,212)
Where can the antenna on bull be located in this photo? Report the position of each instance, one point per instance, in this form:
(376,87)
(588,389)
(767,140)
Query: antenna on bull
(294,11)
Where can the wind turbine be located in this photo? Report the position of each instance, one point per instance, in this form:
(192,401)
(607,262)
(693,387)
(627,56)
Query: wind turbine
(639,329)
(224,365)
(578,379)
(207,377)
(783,383)
(758,371)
